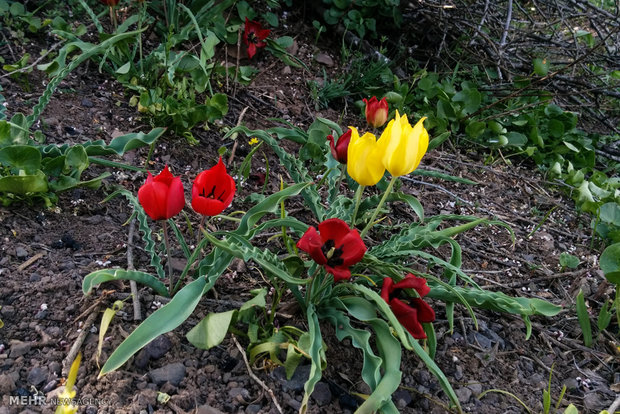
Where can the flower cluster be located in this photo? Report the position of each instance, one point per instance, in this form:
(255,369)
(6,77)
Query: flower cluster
(163,197)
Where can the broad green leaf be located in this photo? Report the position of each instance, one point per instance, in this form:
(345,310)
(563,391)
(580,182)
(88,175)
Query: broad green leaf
(610,263)
(24,184)
(210,331)
(21,157)
(163,320)
(106,275)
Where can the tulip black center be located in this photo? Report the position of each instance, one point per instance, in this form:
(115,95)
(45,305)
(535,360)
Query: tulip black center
(212,194)
(335,259)
(252,38)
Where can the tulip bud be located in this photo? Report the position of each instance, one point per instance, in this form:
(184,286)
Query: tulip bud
(339,150)
(162,196)
(376,111)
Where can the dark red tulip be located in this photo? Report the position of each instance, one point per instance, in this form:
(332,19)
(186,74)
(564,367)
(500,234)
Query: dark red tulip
(213,190)
(410,312)
(376,111)
(253,36)
(162,196)
(110,3)
(335,246)
(340,149)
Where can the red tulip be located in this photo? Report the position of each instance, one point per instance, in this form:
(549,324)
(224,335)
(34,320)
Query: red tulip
(253,36)
(412,311)
(335,246)
(162,196)
(376,111)
(339,150)
(110,3)
(213,190)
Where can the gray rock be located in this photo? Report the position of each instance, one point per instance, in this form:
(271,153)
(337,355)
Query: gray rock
(155,349)
(42,314)
(172,373)
(237,392)
(402,398)
(35,277)
(252,409)
(293,403)
(7,384)
(463,394)
(322,394)
(324,59)
(20,252)
(87,103)
(476,389)
(19,349)
(207,409)
(297,381)
(593,402)
(37,376)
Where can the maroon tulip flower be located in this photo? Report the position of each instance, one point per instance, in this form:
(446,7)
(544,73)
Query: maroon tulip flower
(253,36)
(340,149)
(335,246)
(162,196)
(376,111)
(213,190)
(410,312)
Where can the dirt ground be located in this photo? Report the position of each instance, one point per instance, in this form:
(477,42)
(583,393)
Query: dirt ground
(45,253)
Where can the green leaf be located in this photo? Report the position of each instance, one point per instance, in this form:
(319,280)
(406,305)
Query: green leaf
(541,66)
(108,314)
(584,319)
(268,205)
(211,331)
(610,263)
(315,350)
(570,146)
(438,140)
(516,139)
(163,320)
(568,260)
(24,184)
(496,301)
(610,213)
(106,275)
(21,157)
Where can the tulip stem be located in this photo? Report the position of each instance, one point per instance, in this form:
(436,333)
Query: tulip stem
(358,199)
(167,244)
(376,212)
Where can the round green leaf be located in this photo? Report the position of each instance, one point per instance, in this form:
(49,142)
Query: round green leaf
(610,263)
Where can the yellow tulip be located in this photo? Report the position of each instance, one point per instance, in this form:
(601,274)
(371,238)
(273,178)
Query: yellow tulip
(401,146)
(363,161)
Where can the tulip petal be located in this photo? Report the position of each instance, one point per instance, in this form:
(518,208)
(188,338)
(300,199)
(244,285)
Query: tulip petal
(425,312)
(408,317)
(176,197)
(386,288)
(333,229)
(311,243)
(340,273)
(353,248)
(413,282)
